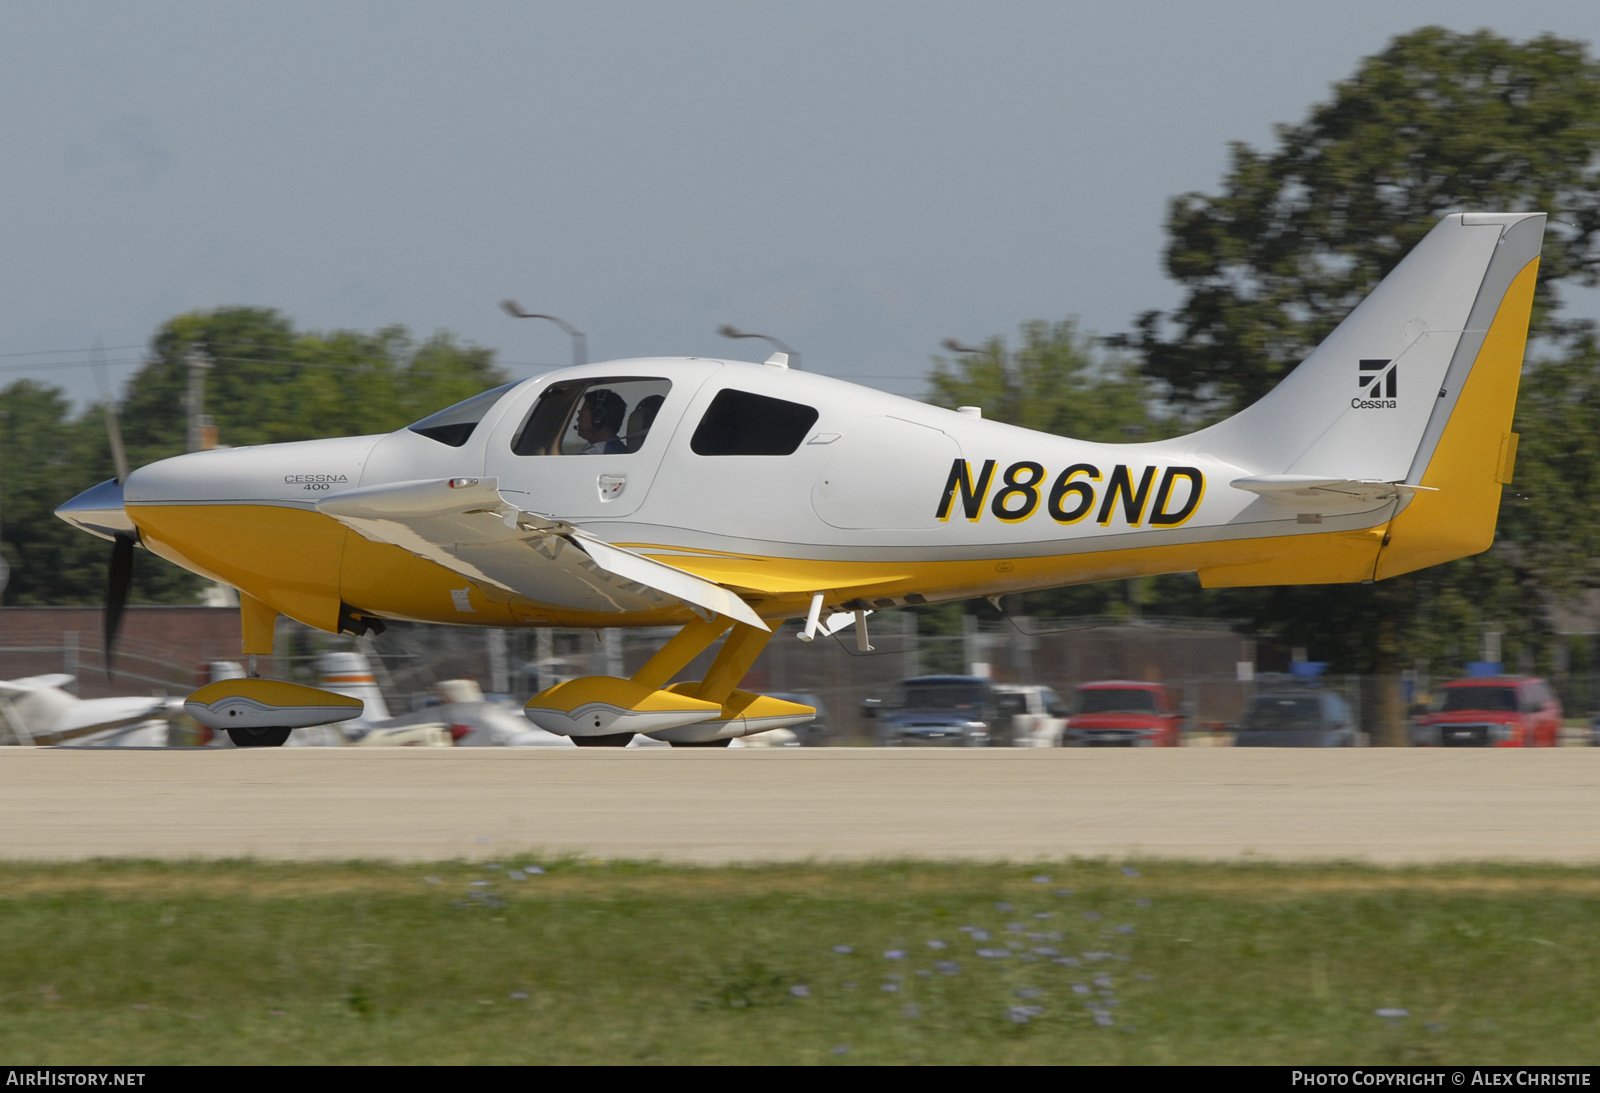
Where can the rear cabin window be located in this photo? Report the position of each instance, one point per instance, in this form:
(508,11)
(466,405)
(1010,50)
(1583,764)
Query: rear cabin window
(739,423)
(609,416)
(454,424)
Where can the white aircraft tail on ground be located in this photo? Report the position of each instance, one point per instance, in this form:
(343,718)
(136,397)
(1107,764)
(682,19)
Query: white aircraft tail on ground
(38,710)
(464,719)
(350,674)
(475,722)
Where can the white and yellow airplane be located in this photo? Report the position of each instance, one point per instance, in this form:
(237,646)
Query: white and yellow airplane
(723,496)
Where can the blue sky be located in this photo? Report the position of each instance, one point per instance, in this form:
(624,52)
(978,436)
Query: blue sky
(858,179)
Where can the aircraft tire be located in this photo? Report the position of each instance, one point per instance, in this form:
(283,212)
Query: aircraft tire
(259,738)
(610,740)
(703,743)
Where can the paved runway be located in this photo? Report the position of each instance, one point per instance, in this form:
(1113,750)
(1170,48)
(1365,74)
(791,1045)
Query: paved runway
(1376,805)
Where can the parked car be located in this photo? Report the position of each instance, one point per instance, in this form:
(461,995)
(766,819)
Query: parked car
(941,711)
(1120,713)
(1029,716)
(1491,712)
(1306,717)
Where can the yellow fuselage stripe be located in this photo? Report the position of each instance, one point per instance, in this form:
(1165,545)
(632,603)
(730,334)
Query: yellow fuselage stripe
(304,564)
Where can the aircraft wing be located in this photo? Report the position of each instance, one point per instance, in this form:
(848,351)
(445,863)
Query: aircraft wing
(97,714)
(465,525)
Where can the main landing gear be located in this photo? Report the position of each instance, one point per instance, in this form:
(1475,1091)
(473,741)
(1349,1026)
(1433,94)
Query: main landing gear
(600,711)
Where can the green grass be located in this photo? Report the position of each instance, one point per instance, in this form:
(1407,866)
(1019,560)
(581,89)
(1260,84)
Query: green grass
(243,962)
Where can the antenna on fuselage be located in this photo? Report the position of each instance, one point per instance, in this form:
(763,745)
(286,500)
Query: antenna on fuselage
(728,330)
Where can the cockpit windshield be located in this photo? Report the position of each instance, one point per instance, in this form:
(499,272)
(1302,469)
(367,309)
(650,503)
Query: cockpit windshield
(454,424)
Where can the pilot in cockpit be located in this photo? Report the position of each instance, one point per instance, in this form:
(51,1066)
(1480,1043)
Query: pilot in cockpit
(599,418)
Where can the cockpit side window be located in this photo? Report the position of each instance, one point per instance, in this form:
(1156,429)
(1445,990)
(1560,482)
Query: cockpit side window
(740,423)
(609,416)
(454,424)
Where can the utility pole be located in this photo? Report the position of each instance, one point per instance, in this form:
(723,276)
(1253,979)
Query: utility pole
(202,430)
(5,567)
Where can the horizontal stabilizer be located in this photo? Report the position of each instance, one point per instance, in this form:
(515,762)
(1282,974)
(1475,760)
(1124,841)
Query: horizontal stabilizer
(29,684)
(1299,489)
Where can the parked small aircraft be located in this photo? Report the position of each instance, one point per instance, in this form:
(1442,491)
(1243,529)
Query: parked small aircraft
(39,710)
(460,716)
(722,497)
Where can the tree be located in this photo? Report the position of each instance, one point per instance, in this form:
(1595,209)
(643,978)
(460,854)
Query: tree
(1299,234)
(269,383)
(1054,382)
(47,456)
(1437,122)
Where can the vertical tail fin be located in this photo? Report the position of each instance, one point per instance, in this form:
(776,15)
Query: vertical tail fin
(1468,450)
(1417,386)
(1370,403)
(350,674)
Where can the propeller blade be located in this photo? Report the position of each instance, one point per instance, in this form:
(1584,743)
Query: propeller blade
(117,591)
(119,455)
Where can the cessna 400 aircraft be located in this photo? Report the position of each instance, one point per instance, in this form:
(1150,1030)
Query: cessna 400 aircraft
(725,497)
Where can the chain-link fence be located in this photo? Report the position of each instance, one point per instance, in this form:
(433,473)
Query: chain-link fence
(1198,661)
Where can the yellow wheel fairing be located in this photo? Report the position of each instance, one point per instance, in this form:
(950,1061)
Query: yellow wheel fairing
(742,714)
(267,703)
(602,705)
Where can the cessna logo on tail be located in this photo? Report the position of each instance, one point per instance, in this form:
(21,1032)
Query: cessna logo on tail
(1379,381)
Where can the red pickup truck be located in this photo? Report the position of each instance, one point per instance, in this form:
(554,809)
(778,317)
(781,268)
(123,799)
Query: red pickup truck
(1123,713)
(1491,712)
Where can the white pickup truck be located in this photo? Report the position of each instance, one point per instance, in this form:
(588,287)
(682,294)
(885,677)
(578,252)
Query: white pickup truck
(1031,716)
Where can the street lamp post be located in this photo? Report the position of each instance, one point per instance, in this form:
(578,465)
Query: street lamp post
(5,566)
(959,347)
(728,330)
(580,343)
